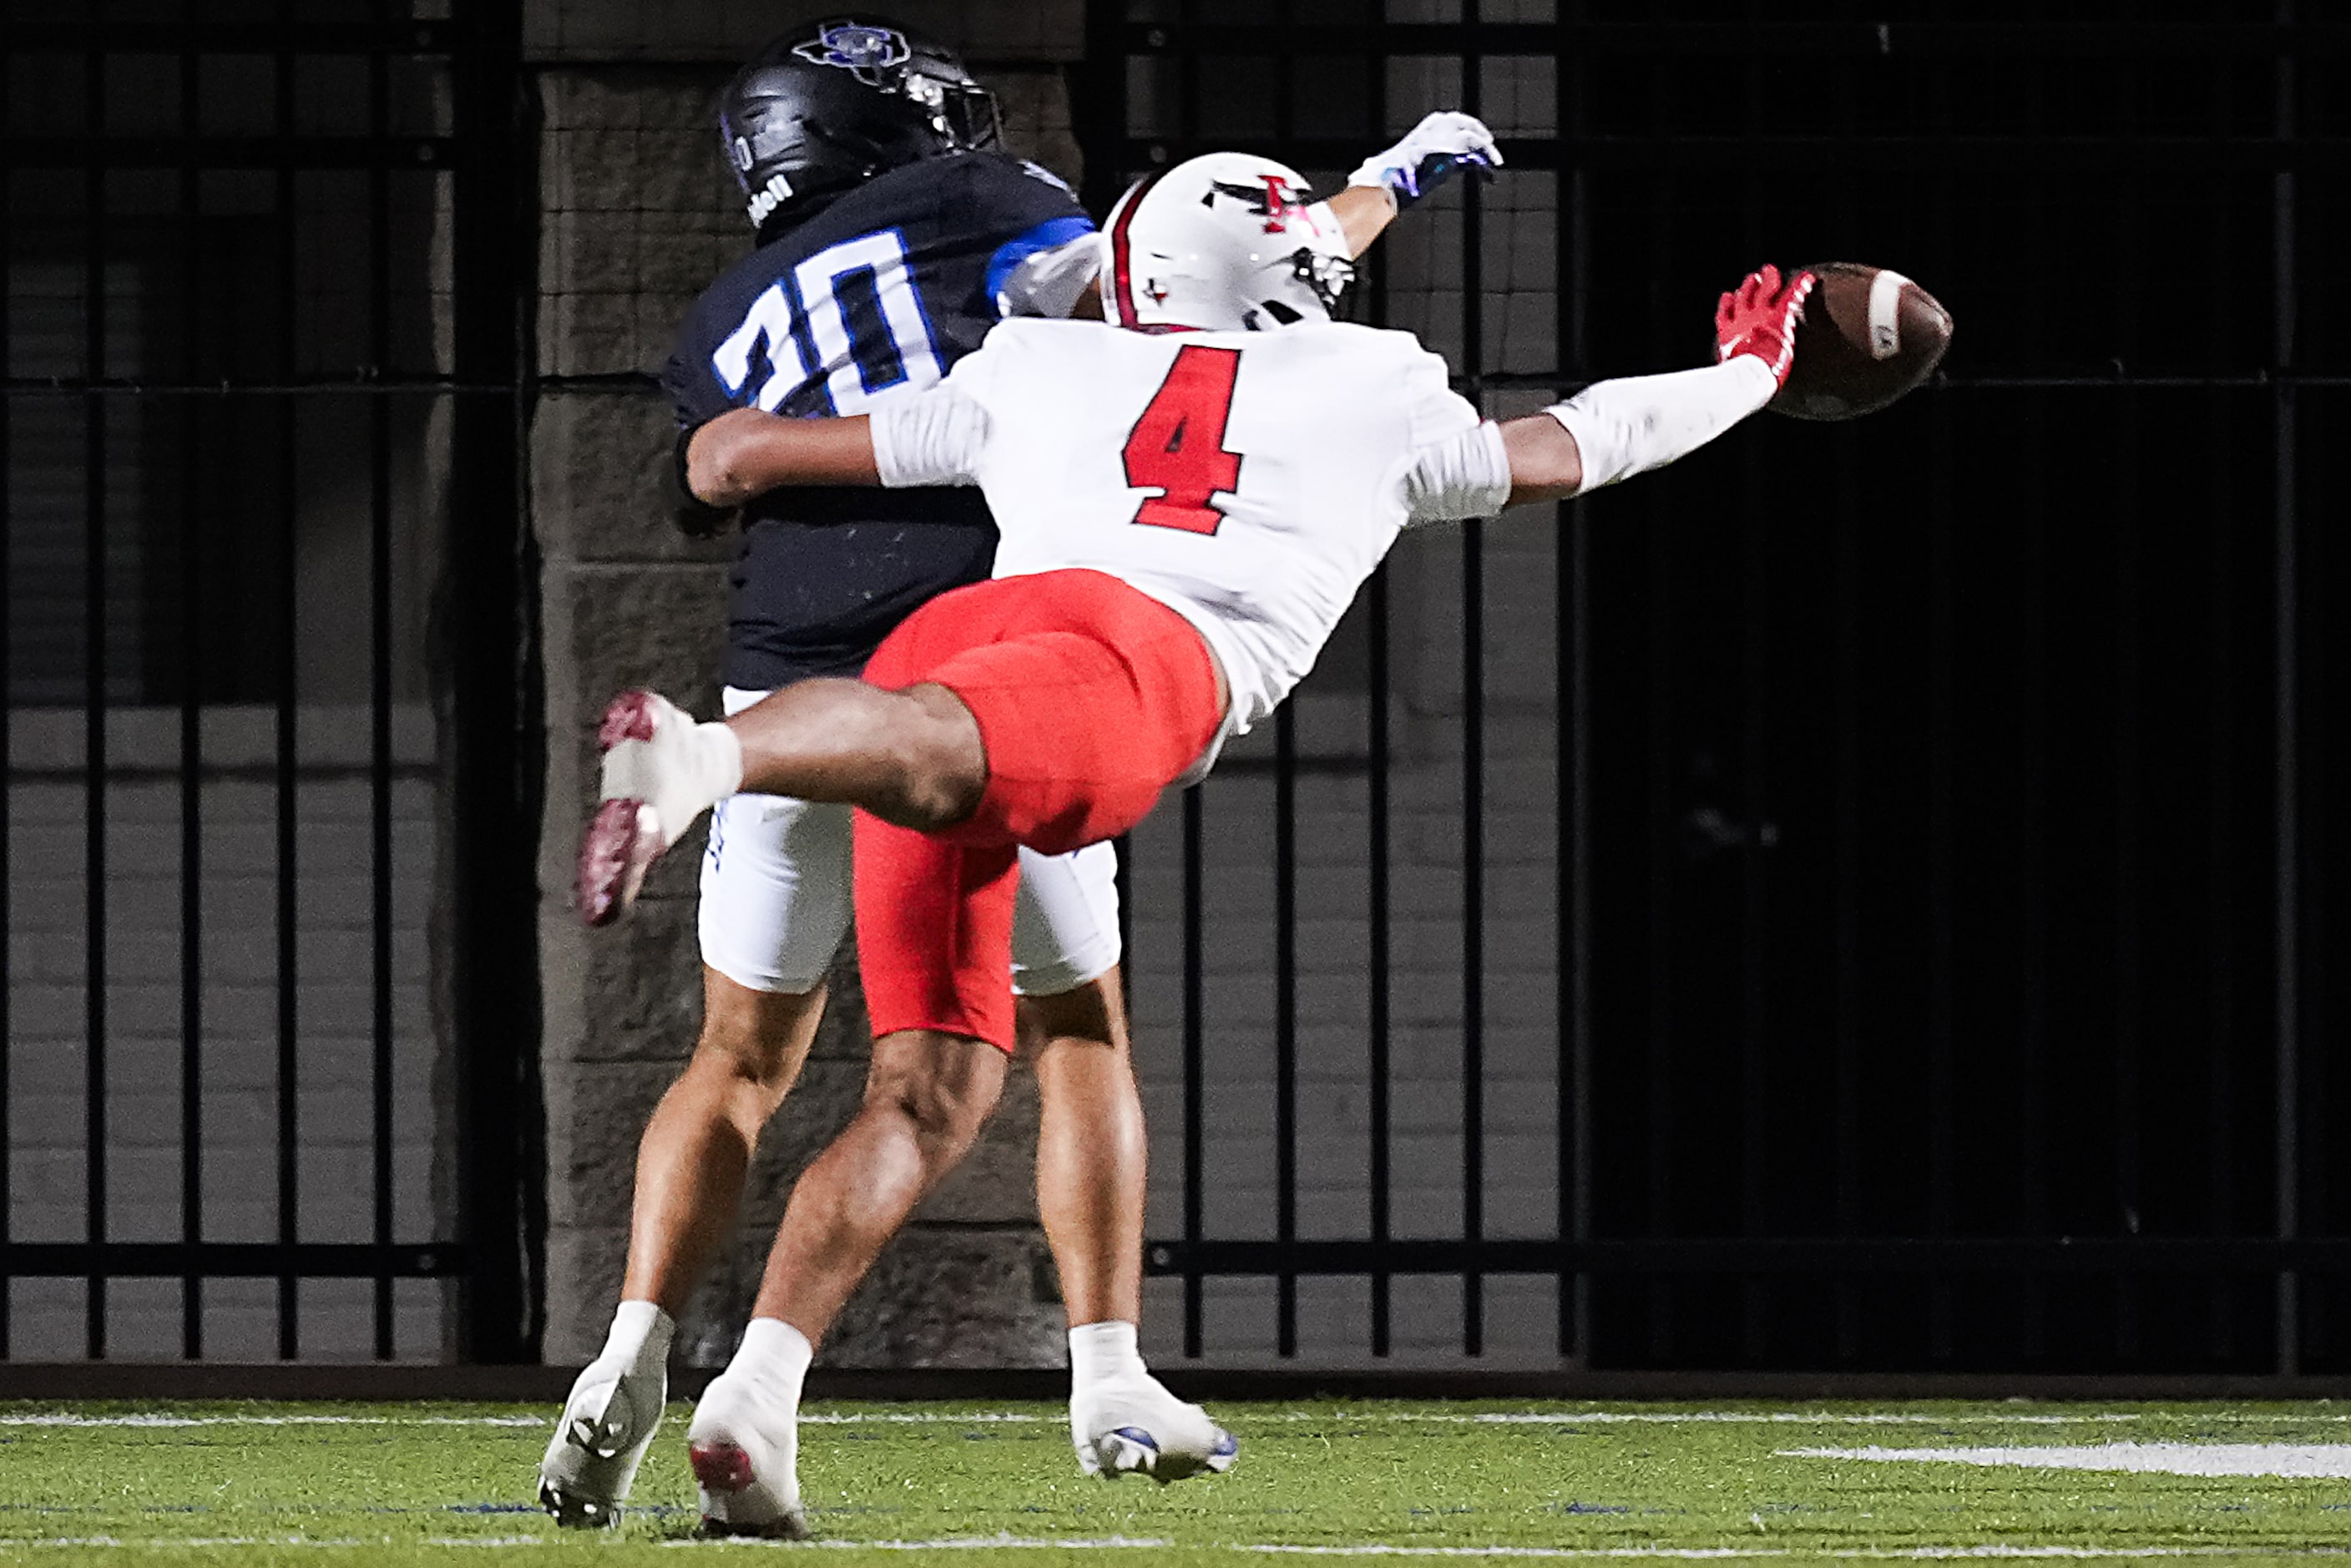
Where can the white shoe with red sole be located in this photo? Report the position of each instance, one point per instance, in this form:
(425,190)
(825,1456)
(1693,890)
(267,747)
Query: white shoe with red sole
(656,781)
(745,1461)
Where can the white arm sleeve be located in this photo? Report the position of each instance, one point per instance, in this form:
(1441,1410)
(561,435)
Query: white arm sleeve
(1630,426)
(934,437)
(1465,476)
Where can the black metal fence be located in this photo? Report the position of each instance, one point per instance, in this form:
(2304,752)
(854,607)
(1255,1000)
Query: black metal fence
(1931,955)
(266,1033)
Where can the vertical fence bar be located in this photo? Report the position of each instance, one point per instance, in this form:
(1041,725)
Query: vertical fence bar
(94,629)
(2219,1088)
(7,719)
(1942,1136)
(1473,912)
(1285,1023)
(1846,879)
(1285,903)
(1573,673)
(1195,1042)
(1755,1075)
(2033,891)
(192,676)
(1663,816)
(1844,841)
(1378,978)
(289,664)
(2286,651)
(2032,700)
(1473,744)
(379,691)
(1942,1159)
(494,728)
(1754,730)
(2128,1044)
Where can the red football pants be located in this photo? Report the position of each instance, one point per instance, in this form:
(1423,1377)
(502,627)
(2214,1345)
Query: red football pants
(1091,698)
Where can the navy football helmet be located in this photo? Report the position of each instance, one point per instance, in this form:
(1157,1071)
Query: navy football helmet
(822,108)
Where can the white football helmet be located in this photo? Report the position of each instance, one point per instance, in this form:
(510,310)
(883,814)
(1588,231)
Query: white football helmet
(1226,240)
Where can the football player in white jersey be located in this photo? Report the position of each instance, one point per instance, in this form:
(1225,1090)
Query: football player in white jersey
(1185,508)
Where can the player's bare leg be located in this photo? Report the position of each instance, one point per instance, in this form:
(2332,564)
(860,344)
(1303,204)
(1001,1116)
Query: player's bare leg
(696,1150)
(926,1097)
(1091,1148)
(1091,1158)
(913,757)
(690,1169)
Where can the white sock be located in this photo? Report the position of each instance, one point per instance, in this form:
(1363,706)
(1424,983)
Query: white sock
(682,771)
(641,1334)
(718,759)
(774,1357)
(1102,1352)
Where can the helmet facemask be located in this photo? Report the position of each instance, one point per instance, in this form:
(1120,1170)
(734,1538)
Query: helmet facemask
(963,113)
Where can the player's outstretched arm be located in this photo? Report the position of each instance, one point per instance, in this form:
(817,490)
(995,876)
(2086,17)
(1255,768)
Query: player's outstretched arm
(1061,281)
(745,452)
(1395,177)
(1614,430)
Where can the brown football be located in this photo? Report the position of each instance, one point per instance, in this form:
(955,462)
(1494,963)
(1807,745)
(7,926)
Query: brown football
(1868,336)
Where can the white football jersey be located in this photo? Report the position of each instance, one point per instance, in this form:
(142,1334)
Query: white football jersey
(1249,481)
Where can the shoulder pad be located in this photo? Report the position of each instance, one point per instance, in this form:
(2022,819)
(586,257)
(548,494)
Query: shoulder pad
(1038,171)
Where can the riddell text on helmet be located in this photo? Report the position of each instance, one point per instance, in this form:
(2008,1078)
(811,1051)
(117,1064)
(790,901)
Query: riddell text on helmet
(774,194)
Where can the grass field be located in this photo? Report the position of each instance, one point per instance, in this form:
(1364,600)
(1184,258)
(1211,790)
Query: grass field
(232,1484)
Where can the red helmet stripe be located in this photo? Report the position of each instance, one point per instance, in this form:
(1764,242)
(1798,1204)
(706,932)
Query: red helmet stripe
(1122,279)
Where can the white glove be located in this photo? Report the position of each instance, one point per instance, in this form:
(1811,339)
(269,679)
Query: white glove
(1429,155)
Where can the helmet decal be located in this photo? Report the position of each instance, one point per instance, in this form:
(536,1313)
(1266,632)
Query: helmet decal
(768,198)
(1273,197)
(854,47)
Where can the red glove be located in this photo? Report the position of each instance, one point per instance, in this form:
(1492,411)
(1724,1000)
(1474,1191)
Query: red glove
(1759,318)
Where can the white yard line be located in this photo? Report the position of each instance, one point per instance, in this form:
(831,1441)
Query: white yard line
(1368,1416)
(161,1418)
(2292,1460)
(1004,1542)
(1864,1554)
(1145,1543)
(923,1417)
(1804,1417)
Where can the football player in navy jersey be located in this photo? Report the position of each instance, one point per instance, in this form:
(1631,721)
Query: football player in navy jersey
(893,234)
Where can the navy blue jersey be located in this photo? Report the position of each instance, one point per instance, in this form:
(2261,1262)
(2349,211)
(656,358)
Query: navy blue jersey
(875,294)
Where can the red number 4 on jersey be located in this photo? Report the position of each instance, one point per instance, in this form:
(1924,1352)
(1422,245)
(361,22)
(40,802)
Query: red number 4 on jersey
(1179,443)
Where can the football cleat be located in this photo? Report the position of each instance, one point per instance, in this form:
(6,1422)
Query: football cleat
(606,1425)
(746,1462)
(1134,1426)
(652,793)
